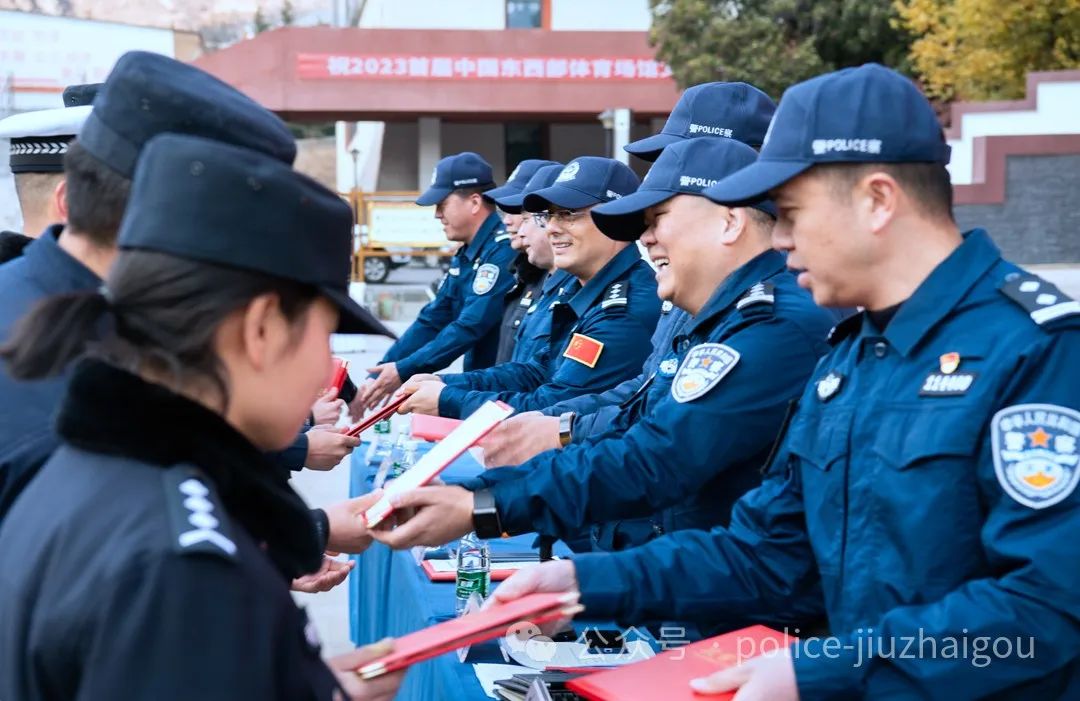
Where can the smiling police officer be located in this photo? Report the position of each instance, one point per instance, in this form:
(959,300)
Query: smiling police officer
(927,482)
(463,319)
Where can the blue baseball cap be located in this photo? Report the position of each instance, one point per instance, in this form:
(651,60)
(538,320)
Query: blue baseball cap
(585,181)
(542,178)
(685,168)
(731,110)
(465,169)
(516,183)
(869,114)
(147,94)
(204,200)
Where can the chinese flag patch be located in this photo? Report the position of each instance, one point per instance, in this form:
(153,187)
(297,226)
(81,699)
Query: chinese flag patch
(583,349)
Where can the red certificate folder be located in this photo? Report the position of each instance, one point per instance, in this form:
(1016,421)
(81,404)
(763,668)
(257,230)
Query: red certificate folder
(384,413)
(473,628)
(432,428)
(446,571)
(340,372)
(667,676)
(446,451)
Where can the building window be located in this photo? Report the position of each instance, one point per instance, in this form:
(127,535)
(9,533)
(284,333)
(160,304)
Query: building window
(524,140)
(524,14)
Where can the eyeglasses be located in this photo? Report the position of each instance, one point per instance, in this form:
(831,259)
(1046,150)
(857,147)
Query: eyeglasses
(565,217)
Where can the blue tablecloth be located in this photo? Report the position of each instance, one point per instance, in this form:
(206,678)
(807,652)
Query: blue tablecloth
(390,596)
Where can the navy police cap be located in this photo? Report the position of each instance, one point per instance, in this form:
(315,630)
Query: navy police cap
(516,183)
(731,110)
(204,200)
(147,94)
(684,168)
(869,114)
(462,170)
(544,177)
(584,182)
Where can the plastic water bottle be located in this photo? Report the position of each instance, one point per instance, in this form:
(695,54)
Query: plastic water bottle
(404,456)
(381,446)
(473,571)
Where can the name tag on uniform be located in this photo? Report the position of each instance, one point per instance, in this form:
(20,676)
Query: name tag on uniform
(938,384)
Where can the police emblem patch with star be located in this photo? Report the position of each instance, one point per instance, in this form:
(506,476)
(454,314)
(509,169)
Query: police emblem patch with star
(702,370)
(1035,452)
(485,278)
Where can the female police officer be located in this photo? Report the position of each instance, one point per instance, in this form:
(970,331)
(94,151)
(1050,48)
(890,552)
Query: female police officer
(150,558)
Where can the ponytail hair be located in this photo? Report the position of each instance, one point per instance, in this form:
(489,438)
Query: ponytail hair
(157,312)
(53,333)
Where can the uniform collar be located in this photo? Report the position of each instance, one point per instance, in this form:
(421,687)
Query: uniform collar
(54,269)
(554,279)
(612,271)
(114,412)
(761,267)
(12,245)
(483,235)
(941,291)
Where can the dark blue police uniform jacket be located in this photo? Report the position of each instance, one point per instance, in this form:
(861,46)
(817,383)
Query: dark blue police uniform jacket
(596,414)
(927,485)
(617,309)
(535,330)
(465,314)
(701,429)
(27,437)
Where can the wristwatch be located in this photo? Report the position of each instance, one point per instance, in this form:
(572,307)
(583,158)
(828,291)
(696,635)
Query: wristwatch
(485,515)
(566,428)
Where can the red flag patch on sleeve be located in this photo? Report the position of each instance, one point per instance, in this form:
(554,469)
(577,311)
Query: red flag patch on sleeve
(583,349)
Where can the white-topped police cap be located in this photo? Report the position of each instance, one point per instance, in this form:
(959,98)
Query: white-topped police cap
(462,170)
(585,181)
(40,139)
(204,200)
(147,94)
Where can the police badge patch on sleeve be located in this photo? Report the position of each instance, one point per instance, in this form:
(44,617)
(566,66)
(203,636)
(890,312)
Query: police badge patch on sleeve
(1035,455)
(485,278)
(702,370)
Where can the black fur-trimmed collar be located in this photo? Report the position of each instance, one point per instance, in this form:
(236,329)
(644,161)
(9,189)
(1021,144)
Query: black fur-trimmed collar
(12,244)
(112,411)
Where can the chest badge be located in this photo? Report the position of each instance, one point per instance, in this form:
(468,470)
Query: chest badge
(1035,452)
(668,366)
(485,278)
(949,363)
(702,370)
(828,386)
(940,384)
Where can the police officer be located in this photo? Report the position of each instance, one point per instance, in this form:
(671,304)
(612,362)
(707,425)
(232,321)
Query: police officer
(148,559)
(601,320)
(464,316)
(694,439)
(927,482)
(528,279)
(38,142)
(720,110)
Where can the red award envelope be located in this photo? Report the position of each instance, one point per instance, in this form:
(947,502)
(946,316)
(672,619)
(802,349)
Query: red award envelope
(473,628)
(446,451)
(340,372)
(432,428)
(667,676)
(384,413)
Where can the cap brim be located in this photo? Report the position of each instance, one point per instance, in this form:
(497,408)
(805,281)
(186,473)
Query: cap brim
(433,195)
(353,318)
(566,197)
(649,148)
(507,197)
(754,182)
(624,219)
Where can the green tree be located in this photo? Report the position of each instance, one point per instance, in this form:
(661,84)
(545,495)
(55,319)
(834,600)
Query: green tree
(984,49)
(773,43)
(261,23)
(288,15)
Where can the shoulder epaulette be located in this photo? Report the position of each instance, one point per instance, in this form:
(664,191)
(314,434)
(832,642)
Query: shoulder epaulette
(616,294)
(761,293)
(501,235)
(1042,300)
(197,519)
(845,328)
